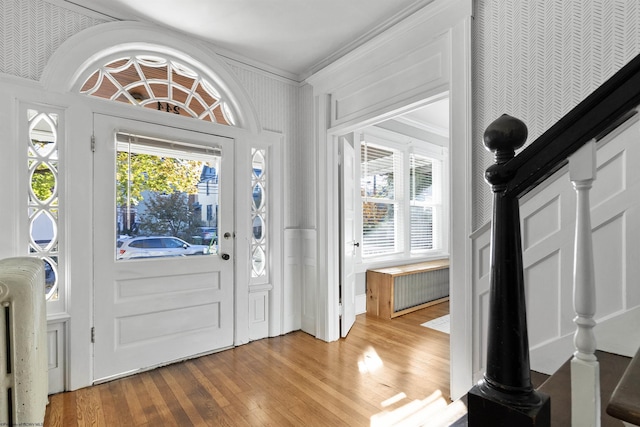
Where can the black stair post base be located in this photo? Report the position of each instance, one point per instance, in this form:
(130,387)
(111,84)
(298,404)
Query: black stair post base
(489,408)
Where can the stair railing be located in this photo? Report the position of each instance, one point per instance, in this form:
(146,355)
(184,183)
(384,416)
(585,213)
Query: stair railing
(505,396)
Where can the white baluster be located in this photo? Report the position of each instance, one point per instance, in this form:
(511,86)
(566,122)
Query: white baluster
(585,369)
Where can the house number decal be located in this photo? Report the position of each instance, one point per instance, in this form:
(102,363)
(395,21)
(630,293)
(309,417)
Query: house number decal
(165,106)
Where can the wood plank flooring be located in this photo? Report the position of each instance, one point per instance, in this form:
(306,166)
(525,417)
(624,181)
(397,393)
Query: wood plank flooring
(292,380)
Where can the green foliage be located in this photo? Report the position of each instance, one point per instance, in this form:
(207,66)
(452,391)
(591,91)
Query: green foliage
(153,173)
(43,182)
(169,215)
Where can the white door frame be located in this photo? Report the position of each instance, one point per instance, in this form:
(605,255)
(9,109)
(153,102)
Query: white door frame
(456,18)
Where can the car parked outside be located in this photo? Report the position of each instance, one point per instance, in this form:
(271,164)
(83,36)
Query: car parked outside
(157,246)
(209,235)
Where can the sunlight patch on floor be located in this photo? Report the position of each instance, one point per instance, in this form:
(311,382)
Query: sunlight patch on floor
(433,411)
(441,324)
(369,361)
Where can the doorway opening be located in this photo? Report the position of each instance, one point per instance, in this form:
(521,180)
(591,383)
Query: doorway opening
(400,197)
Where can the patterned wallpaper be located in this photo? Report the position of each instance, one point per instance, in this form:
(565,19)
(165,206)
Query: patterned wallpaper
(31,30)
(537,59)
(285,107)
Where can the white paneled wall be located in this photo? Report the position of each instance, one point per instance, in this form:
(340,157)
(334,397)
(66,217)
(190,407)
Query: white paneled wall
(548,223)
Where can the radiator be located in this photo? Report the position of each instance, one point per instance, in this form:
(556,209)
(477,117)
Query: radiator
(23,355)
(415,289)
(394,291)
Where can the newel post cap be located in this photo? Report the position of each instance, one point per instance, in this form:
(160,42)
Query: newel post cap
(505,135)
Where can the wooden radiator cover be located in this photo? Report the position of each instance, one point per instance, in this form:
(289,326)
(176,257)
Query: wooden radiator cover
(394,291)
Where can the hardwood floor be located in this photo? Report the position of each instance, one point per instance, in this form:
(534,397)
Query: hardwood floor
(292,380)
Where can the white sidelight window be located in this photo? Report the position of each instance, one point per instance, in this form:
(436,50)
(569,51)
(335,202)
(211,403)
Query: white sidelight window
(259,212)
(43,205)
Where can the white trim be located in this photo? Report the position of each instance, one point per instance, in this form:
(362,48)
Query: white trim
(453,19)
(461,162)
(361,304)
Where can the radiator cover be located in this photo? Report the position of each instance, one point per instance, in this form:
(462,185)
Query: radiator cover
(394,291)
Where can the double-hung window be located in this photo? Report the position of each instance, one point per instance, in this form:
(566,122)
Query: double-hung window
(401,197)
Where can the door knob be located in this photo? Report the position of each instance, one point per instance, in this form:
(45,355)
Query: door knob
(225,256)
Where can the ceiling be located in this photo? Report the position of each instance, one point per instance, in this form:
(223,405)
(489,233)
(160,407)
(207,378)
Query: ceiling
(290,37)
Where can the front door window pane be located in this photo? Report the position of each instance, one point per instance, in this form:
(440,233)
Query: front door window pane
(161,188)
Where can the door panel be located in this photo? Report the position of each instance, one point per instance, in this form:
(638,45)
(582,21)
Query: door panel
(347,232)
(152,310)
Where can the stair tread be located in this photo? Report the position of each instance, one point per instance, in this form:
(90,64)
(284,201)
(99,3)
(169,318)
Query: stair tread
(625,401)
(558,386)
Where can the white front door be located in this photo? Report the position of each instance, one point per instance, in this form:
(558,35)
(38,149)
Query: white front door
(348,242)
(158,299)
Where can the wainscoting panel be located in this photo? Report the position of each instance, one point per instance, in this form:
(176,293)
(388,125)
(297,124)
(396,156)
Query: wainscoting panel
(481,277)
(541,223)
(548,231)
(258,309)
(300,273)
(56,332)
(542,285)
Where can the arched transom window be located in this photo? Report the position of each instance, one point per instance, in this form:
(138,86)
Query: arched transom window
(159,84)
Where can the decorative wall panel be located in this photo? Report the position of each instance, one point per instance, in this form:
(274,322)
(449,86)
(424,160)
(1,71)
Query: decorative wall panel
(542,287)
(541,223)
(536,60)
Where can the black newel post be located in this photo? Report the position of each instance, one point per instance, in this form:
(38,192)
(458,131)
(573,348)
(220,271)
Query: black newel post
(505,397)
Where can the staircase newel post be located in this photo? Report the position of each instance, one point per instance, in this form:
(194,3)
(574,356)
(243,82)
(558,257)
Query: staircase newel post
(505,397)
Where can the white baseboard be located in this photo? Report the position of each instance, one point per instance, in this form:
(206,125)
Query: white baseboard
(361,304)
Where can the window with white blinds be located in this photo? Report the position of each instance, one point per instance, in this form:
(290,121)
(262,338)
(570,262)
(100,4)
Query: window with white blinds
(400,193)
(379,169)
(422,202)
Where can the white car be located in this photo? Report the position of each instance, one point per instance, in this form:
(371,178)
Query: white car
(157,246)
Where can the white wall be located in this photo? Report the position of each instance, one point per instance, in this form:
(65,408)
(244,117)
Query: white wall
(536,60)
(547,224)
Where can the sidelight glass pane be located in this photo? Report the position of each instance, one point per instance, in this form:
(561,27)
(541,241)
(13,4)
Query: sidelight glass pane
(259,215)
(167,198)
(43,198)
